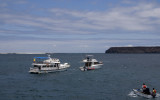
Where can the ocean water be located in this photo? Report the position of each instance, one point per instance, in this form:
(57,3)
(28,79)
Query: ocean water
(114,81)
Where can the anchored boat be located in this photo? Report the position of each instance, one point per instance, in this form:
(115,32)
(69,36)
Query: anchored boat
(47,65)
(90,63)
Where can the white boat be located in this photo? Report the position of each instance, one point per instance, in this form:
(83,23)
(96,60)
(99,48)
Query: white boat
(47,65)
(90,63)
(140,93)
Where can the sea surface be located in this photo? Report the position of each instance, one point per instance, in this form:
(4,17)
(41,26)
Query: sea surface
(114,81)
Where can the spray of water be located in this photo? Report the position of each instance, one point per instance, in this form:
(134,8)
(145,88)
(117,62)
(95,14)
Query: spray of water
(132,94)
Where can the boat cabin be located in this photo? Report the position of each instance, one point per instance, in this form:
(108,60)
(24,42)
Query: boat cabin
(42,62)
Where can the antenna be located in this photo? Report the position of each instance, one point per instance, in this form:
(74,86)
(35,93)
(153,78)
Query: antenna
(49,56)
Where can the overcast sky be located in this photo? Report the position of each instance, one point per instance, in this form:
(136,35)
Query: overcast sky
(77,26)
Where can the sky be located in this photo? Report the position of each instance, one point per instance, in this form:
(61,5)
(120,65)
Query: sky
(77,26)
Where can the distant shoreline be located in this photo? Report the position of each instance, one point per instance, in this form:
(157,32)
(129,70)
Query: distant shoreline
(142,49)
(53,53)
(23,53)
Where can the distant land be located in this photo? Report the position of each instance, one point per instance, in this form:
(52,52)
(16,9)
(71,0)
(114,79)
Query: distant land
(155,49)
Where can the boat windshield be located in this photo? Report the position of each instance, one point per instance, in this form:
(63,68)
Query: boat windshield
(40,59)
(89,56)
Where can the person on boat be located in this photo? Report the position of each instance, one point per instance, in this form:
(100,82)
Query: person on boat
(154,93)
(34,60)
(145,89)
(144,86)
(84,68)
(87,58)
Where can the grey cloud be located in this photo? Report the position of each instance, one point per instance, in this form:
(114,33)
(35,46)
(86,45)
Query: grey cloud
(136,18)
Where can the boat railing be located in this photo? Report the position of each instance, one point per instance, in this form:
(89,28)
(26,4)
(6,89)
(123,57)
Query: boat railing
(38,62)
(41,62)
(34,68)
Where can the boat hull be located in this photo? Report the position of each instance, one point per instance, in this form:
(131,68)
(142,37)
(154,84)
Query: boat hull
(90,68)
(63,67)
(46,71)
(139,93)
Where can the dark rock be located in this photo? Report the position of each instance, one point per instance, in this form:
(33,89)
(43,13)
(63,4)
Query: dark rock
(133,50)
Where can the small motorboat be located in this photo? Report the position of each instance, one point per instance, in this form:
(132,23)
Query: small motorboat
(90,63)
(47,65)
(148,95)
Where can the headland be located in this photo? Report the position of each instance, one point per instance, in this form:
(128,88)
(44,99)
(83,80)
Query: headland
(155,49)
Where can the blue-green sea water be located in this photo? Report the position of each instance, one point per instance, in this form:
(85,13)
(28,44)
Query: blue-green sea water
(114,81)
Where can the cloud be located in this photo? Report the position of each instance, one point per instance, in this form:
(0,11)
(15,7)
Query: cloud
(74,46)
(136,18)
(68,30)
(130,45)
(3,5)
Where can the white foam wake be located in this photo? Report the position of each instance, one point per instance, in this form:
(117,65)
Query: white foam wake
(132,94)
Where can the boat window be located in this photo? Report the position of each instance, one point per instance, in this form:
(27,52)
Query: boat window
(56,65)
(88,64)
(96,63)
(36,66)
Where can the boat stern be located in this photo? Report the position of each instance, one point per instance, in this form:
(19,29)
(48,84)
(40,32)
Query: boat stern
(34,70)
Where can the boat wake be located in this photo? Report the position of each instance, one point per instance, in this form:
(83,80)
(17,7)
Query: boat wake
(158,95)
(132,94)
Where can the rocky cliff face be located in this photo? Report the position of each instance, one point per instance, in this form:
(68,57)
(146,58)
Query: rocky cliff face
(133,50)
